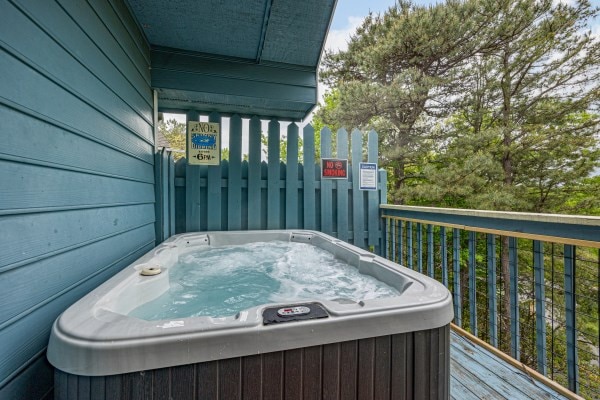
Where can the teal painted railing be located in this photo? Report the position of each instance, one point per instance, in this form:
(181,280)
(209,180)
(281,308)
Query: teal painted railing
(527,284)
(245,192)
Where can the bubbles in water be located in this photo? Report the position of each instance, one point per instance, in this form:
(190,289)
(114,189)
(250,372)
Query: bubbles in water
(221,281)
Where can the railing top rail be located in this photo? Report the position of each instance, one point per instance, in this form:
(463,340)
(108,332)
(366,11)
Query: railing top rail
(506,215)
(567,229)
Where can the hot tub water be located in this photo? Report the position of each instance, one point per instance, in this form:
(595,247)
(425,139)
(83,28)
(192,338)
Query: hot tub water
(221,281)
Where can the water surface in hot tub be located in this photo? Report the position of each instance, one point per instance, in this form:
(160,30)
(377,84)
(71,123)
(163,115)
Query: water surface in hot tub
(221,281)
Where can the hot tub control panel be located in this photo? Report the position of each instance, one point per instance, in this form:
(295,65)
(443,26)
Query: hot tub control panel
(290,311)
(296,312)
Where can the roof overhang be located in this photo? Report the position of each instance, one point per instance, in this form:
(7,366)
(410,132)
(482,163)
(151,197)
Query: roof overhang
(256,57)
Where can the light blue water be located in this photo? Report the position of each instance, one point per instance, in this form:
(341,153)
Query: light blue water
(221,281)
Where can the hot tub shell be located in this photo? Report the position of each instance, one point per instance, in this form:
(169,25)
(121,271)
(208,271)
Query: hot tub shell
(397,347)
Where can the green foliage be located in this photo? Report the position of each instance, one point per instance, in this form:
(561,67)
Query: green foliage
(264,140)
(478,103)
(175,133)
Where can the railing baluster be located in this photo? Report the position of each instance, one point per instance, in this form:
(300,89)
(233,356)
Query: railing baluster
(388,233)
(570,312)
(444,255)
(419,248)
(392,239)
(456,262)
(540,305)
(472,284)
(491,289)
(430,250)
(515,335)
(400,243)
(409,244)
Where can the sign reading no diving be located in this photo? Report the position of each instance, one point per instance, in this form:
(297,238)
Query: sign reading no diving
(203,143)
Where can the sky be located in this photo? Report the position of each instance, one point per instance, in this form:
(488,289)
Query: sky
(350,13)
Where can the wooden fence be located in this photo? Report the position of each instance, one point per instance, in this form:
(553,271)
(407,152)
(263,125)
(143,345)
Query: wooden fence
(247,193)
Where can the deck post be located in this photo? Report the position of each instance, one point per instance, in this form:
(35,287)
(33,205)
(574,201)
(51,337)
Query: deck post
(383,200)
(570,313)
(540,305)
(373,200)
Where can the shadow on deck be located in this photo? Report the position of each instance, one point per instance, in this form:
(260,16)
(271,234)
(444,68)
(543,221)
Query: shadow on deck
(476,373)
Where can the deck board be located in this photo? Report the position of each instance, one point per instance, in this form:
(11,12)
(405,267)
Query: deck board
(478,374)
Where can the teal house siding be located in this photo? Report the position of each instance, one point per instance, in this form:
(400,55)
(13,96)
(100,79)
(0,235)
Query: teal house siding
(76,168)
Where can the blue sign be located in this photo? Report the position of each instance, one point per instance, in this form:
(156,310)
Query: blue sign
(200,141)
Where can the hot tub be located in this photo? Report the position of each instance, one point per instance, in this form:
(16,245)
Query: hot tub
(338,348)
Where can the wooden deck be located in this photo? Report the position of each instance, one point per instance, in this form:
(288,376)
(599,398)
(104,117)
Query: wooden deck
(478,374)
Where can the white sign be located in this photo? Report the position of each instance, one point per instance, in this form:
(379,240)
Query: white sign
(368,176)
(203,143)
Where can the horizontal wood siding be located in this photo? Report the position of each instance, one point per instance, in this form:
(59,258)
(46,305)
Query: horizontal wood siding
(77,167)
(413,365)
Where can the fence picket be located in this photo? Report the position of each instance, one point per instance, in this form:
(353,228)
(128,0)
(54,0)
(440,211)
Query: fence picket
(273,175)
(192,187)
(342,189)
(213,202)
(291,178)
(309,178)
(326,186)
(254,168)
(234,187)
(358,218)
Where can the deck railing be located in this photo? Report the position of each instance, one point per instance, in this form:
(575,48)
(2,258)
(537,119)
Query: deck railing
(524,283)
